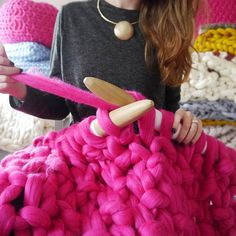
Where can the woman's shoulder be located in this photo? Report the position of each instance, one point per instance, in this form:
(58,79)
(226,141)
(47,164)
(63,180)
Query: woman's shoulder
(78,5)
(74,13)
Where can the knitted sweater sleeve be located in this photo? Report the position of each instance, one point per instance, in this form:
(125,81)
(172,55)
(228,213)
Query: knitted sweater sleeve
(41,104)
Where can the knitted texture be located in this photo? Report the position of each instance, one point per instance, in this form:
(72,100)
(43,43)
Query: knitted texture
(74,183)
(17,129)
(27,21)
(217,40)
(26,55)
(218,12)
(211,93)
(214,110)
(225,133)
(212,78)
(213,75)
(218,122)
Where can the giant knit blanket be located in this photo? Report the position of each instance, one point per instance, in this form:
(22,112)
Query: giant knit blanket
(72,182)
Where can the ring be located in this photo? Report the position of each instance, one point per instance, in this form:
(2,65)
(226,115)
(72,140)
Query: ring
(195,121)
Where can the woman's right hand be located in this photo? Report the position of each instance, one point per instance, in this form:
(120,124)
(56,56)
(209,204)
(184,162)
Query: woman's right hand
(7,84)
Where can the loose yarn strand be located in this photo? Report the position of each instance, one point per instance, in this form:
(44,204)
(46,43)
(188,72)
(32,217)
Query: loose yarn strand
(58,87)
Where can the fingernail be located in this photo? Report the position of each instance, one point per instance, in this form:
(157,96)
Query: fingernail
(12,63)
(173,130)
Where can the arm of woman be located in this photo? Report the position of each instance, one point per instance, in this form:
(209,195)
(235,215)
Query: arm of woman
(42,104)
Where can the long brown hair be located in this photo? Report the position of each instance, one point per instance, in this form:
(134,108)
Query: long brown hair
(168,28)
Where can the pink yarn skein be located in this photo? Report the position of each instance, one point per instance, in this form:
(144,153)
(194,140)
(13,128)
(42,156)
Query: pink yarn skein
(74,183)
(27,21)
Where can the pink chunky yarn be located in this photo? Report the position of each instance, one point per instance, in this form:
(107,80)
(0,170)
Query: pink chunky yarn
(74,183)
(219,13)
(27,21)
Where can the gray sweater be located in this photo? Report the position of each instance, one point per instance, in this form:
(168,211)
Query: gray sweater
(84,45)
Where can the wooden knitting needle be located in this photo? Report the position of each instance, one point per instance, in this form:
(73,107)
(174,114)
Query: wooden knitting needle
(114,95)
(108,92)
(118,96)
(124,115)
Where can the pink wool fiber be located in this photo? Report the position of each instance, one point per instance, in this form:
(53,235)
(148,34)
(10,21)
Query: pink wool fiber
(74,183)
(58,87)
(27,21)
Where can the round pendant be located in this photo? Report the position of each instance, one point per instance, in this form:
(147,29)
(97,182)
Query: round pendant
(124,30)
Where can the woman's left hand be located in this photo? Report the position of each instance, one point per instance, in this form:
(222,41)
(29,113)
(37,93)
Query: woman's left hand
(187,127)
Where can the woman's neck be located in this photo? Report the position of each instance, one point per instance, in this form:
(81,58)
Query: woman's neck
(125,4)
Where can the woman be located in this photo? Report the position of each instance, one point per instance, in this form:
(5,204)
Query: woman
(148,53)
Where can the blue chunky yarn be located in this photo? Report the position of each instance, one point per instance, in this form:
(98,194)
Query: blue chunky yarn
(29,54)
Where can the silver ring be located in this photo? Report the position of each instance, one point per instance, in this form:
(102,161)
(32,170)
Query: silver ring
(195,121)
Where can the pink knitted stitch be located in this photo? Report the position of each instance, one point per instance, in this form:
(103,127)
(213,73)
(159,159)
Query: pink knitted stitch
(27,21)
(74,183)
(218,12)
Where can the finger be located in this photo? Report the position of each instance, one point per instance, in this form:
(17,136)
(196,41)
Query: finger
(2,51)
(3,57)
(4,61)
(191,134)
(198,133)
(179,114)
(176,133)
(4,87)
(7,79)
(9,70)
(186,125)
(17,90)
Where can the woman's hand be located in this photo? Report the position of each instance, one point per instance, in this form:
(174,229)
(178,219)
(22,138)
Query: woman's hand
(187,127)
(7,84)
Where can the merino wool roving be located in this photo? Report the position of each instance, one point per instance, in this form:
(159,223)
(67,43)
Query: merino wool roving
(27,21)
(72,182)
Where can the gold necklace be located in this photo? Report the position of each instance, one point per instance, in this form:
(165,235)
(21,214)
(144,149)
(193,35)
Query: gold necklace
(123,30)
